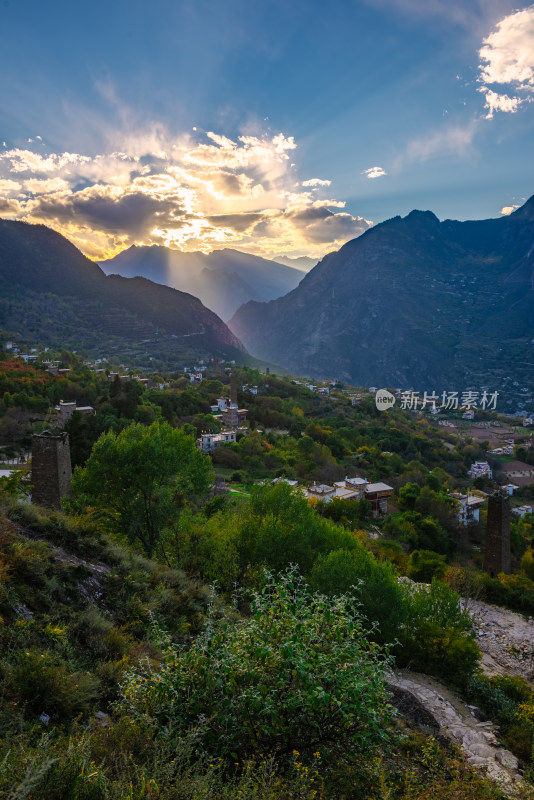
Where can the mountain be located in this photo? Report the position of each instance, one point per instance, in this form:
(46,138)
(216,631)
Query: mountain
(414,303)
(304,263)
(223,280)
(51,293)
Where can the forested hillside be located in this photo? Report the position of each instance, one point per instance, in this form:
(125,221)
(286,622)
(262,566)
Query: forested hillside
(187,628)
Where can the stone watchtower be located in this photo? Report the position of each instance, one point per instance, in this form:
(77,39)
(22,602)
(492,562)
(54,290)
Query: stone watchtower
(51,468)
(497,556)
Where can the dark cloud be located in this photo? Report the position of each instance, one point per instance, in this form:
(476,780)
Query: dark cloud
(9,207)
(319,225)
(135,213)
(237,222)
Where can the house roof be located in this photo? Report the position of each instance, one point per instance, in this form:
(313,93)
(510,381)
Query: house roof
(377,487)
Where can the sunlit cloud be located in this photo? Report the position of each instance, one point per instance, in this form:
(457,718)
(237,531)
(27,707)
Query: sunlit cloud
(316,182)
(374,172)
(9,188)
(507,63)
(506,210)
(192,191)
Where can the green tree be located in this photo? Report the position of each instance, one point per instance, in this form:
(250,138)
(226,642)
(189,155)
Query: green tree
(408,495)
(437,636)
(281,528)
(423,565)
(298,674)
(140,479)
(374,583)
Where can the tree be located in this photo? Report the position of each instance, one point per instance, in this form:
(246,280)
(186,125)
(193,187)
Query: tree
(408,495)
(423,565)
(281,528)
(140,478)
(437,636)
(298,674)
(374,584)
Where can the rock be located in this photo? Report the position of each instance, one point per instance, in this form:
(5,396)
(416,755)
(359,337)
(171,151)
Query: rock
(476,712)
(476,761)
(481,750)
(507,759)
(102,719)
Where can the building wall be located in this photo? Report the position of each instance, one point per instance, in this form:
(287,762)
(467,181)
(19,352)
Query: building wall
(497,555)
(51,469)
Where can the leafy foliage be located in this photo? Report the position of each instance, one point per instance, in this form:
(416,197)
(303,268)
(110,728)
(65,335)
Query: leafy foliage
(141,478)
(299,674)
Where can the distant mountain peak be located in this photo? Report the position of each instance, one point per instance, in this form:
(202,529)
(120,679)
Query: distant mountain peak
(526,211)
(411,302)
(422,216)
(223,279)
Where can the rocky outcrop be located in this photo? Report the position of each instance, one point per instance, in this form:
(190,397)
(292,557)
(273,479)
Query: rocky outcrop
(459,723)
(505,638)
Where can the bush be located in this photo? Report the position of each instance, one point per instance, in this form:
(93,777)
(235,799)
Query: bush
(44,685)
(423,565)
(299,674)
(437,636)
(374,583)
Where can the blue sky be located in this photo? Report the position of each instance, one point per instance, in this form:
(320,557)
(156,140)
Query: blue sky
(269,126)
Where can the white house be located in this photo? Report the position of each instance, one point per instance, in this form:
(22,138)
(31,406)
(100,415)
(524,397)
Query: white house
(468,506)
(480,468)
(520,511)
(209,441)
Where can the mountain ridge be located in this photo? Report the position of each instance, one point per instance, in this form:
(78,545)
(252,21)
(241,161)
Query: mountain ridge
(54,294)
(223,279)
(412,302)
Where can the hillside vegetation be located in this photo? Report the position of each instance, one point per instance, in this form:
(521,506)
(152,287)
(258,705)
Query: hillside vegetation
(162,638)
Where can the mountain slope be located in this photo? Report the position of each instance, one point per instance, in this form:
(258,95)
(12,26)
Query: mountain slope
(52,293)
(223,280)
(303,263)
(413,302)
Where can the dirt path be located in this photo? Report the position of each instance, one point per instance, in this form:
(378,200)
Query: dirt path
(477,739)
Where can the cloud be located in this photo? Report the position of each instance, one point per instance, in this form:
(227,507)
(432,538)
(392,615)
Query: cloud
(9,188)
(9,208)
(110,210)
(499,102)
(453,140)
(239,223)
(507,62)
(506,210)
(321,225)
(374,172)
(316,182)
(191,191)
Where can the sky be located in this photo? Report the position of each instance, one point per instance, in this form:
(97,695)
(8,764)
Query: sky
(271,126)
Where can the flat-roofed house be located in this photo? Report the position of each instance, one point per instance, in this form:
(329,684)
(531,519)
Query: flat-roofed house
(468,506)
(378,494)
(209,441)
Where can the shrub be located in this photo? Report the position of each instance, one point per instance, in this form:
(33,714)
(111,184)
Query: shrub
(437,635)
(44,685)
(374,583)
(423,565)
(299,674)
